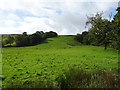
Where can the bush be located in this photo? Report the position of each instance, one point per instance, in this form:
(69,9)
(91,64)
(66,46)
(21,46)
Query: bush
(79,38)
(50,34)
(8,40)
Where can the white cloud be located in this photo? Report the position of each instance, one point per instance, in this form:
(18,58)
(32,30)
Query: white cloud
(13,17)
(71,20)
(9,23)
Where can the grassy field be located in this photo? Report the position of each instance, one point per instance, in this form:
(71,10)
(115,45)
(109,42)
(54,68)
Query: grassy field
(48,60)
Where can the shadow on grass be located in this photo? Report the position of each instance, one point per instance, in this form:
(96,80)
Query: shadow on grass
(9,46)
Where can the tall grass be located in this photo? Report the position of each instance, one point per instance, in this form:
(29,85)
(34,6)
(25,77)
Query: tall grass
(76,78)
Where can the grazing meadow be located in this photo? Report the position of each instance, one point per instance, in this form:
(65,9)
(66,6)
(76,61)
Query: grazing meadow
(49,60)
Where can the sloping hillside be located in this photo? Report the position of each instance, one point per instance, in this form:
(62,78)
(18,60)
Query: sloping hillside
(49,59)
(59,42)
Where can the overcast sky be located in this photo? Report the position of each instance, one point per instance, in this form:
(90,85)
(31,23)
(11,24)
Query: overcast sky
(64,16)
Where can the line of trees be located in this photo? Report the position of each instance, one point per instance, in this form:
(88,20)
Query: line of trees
(103,32)
(27,40)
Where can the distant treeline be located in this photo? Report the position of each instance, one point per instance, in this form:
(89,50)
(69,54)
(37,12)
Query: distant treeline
(25,39)
(103,32)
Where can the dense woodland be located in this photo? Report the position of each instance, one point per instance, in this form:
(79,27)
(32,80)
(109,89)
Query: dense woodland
(103,32)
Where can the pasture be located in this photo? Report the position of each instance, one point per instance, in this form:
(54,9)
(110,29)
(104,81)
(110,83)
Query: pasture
(49,59)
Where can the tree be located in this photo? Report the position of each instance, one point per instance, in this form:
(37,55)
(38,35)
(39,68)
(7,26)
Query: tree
(35,38)
(19,40)
(79,38)
(89,39)
(8,40)
(24,34)
(116,31)
(100,28)
(50,34)
(40,32)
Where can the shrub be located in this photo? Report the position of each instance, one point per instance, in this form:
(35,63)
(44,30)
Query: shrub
(8,40)
(50,34)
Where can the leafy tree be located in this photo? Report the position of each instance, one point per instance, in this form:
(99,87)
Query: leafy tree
(19,40)
(116,29)
(89,39)
(101,29)
(24,33)
(8,40)
(79,38)
(35,38)
(40,32)
(102,32)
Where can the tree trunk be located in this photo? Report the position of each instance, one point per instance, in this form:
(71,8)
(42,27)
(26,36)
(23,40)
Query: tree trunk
(105,46)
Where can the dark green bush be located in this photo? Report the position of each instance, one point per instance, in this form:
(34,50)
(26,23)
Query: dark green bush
(50,34)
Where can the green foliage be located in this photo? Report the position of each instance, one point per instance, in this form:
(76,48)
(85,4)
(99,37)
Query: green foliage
(79,38)
(103,32)
(116,30)
(35,38)
(27,40)
(8,40)
(86,38)
(20,40)
(101,29)
(50,34)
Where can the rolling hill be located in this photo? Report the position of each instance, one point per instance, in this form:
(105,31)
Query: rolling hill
(51,58)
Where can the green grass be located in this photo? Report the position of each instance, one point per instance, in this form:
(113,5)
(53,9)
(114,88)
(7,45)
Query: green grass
(48,60)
